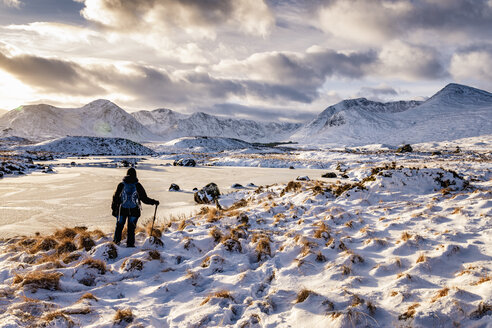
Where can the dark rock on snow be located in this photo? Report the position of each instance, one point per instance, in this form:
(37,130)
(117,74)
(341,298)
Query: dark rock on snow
(185,162)
(404,149)
(174,187)
(329,175)
(207,194)
(303,178)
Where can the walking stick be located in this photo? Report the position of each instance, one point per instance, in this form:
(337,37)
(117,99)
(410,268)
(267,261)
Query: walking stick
(152,228)
(153,239)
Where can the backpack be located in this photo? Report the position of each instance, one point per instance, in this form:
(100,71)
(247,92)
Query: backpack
(129,195)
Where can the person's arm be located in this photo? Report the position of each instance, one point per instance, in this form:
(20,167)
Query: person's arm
(142,195)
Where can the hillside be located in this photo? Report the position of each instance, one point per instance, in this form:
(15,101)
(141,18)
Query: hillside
(171,125)
(91,146)
(455,112)
(100,118)
(397,249)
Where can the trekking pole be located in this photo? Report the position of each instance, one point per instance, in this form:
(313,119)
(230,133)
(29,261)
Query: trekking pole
(152,228)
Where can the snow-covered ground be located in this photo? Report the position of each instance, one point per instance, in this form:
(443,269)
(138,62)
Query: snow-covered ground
(403,240)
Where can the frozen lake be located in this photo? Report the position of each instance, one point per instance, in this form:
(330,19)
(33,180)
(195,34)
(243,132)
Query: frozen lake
(81,195)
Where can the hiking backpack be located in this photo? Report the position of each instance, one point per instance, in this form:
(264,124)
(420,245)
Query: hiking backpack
(129,195)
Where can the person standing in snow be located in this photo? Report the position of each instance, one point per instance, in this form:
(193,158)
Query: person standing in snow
(126,205)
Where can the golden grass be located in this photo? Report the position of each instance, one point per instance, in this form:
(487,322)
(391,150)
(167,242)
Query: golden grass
(125,315)
(45,244)
(91,263)
(88,296)
(303,295)
(215,233)
(441,293)
(263,249)
(154,255)
(56,315)
(482,280)
(66,246)
(220,294)
(85,242)
(410,313)
(39,280)
(422,258)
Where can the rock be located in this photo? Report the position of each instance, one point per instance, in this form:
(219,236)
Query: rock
(251,184)
(344,176)
(73,163)
(404,149)
(48,169)
(291,167)
(174,187)
(237,186)
(195,189)
(1,174)
(436,153)
(207,194)
(303,178)
(329,175)
(185,162)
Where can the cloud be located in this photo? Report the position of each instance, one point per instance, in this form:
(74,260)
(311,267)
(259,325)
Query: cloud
(382,90)
(473,63)
(409,62)
(49,74)
(258,113)
(369,21)
(12,3)
(198,18)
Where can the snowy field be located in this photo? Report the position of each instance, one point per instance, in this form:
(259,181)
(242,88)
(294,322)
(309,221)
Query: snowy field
(403,240)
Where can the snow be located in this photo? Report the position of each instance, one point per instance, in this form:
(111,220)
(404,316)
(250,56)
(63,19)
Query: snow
(403,242)
(90,146)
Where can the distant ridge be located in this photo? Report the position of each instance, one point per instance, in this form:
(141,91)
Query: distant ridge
(455,112)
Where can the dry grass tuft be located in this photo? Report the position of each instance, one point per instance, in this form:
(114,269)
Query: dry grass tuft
(57,315)
(86,242)
(409,313)
(441,293)
(132,265)
(220,294)
(320,257)
(303,295)
(346,270)
(216,234)
(125,315)
(71,258)
(88,296)
(213,215)
(154,255)
(291,186)
(482,310)
(323,231)
(39,280)
(405,236)
(231,244)
(263,249)
(239,204)
(91,263)
(97,234)
(44,244)
(66,246)
(422,258)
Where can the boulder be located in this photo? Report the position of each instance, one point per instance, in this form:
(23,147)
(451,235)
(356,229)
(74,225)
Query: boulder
(185,162)
(237,186)
(174,187)
(303,178)
(404,149)
(329,175)
(207,194)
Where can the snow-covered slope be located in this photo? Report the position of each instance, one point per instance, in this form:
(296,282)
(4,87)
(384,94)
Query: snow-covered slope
(172,125)
(204,144)
(457,111)
(100,118)
(91,146)
(2,112)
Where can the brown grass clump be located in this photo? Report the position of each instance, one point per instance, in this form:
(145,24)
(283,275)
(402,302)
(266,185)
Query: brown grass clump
(66,246)
(132,265)
(338,190)
(156,232)
(91,263)
(56,315)
(220,294)
(154,255)
(441,293)
(346,270)
(409,313)
(213,215)
(405,236)
(44,244)
(323,231)
(303,295)
(240,203)
(71,258)
(39,280)
(85,242)
(482,280)
(69,233)
(231,244)
(422,258)
(125,315)
(88,296)
(291,186)
(263,249)
(52,260)
(216,234)
(97,234)
(320,257)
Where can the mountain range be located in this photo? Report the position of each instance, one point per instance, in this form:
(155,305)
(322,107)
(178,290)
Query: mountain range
(456,111)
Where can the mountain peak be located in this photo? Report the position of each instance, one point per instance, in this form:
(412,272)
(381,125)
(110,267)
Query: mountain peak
(459,93)
(100,103)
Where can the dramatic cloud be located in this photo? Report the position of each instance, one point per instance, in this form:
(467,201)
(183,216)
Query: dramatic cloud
(49,75)
(377,93)
(265,114)
(194,17)
(370,21)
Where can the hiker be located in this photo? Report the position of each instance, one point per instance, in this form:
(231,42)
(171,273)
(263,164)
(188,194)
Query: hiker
(126,204)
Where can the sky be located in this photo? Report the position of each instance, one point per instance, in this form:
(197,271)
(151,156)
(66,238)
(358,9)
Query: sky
(273,60)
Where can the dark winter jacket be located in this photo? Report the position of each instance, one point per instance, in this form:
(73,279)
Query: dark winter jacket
(142,197)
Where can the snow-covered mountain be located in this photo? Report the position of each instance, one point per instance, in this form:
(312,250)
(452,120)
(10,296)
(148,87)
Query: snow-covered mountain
(171,125)
(100,118)
(457,111)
